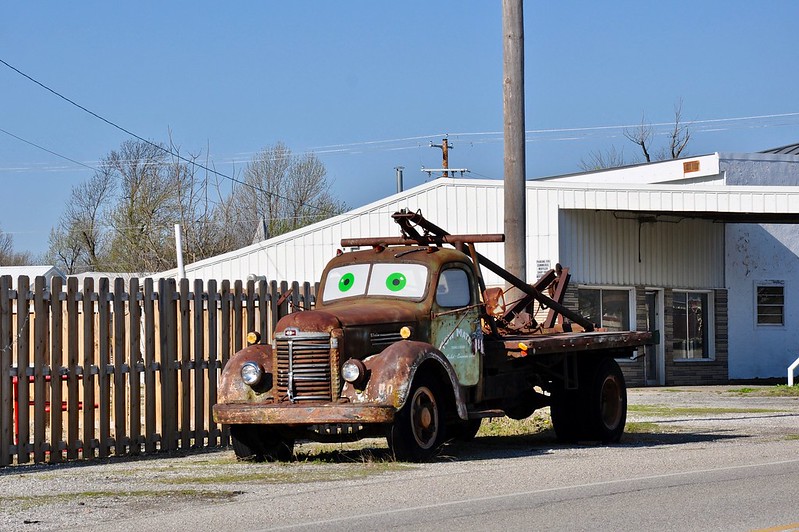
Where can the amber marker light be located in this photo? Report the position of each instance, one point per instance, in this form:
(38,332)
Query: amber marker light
(405,333)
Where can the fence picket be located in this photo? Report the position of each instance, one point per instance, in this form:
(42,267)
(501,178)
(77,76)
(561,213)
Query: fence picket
(56,363)
(197,361)
(73,339)
(135,365)
(120,367)
(6,412)
(23,363)
(185,366)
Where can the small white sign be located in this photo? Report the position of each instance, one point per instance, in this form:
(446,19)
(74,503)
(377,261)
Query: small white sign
(542,267)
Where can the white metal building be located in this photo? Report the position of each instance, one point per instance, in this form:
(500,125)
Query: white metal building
(673,246)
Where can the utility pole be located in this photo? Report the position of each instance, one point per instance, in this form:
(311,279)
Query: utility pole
(445,147)
(514,134)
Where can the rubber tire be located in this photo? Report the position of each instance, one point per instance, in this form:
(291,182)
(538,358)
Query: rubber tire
(607,403)
(259,443)
(597,411)
(465,430)
(418,428)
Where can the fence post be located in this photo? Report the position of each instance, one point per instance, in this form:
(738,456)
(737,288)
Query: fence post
(56,363)
(104,324)
(135,364)
(120,403)
(88,368)
(149,367)
(169,339)
(213,371)
(6,432)
(23,363)
(185,366)
(199,359)
(238,319)
(225,317)
(72,368)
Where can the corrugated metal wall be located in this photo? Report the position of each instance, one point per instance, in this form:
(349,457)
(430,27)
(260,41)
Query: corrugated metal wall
(602,249)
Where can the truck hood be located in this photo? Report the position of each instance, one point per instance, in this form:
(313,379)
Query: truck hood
(351,315)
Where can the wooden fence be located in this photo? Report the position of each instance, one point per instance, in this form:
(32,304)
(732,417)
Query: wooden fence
(119,370)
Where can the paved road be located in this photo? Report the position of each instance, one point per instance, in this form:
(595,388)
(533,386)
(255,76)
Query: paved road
(732,465)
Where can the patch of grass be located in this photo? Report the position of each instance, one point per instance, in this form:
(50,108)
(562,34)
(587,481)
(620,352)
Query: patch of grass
(792,437)
(22,502)
(289,473)
(664,410)
(743,391)
(509,427)
(643,427)
(781,390)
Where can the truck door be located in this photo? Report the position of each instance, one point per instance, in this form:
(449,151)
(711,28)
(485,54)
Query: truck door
(455,328)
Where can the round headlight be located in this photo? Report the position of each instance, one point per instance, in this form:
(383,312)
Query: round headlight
(352,370)
(251,373)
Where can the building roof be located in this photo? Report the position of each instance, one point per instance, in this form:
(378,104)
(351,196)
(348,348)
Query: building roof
(790,149)
(32,272)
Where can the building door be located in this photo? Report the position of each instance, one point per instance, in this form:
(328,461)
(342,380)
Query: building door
(654,363)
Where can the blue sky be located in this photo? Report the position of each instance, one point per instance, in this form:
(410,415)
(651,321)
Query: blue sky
(368,85)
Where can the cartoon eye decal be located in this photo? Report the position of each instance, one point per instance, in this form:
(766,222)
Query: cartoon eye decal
(346,282)
(396,281)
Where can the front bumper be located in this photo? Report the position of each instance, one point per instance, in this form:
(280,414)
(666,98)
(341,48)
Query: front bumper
(301,414)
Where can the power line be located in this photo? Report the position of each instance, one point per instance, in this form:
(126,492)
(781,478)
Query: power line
(149,142)
(48,151)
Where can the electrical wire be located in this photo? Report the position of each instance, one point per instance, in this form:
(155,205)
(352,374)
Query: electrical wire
(153,144)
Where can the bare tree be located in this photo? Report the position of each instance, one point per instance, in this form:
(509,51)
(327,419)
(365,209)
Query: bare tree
(643,136)
(9,257)
(284,192)
(123,218)
(679,137)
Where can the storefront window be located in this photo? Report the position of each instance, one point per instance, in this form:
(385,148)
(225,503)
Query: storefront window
(609,309)
(691,325)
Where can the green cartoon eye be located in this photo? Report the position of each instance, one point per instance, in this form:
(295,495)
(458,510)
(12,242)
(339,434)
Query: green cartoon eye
(346,282)
(396,282)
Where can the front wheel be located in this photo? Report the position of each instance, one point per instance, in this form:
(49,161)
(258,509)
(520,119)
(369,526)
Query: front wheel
(260,443)
(418,429)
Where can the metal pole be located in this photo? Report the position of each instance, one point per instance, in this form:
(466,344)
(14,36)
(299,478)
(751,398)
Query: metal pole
(399,170)
(179,252)
(513,106)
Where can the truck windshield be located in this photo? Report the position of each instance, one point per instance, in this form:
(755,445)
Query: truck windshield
(394,280)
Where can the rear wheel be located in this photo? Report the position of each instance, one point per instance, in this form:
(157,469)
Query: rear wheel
(597,410)
(418,429)
(607,406)
(260,443)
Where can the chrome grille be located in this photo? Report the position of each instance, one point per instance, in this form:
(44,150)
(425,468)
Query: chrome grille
(303,367)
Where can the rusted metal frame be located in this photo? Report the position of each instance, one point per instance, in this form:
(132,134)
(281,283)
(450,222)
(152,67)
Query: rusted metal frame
(121,439)
(419,220)
(301,413)
(104,377)
(539,285)
(560,292)
(6,418)
(134,376)
(41,332)
(199,363)
(423,240)
(23,361)
(56,365)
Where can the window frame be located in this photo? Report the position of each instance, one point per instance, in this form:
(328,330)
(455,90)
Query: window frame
(711,327)
(631,308)
(768,283)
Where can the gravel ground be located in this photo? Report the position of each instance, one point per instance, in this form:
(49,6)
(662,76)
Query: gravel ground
(94,494)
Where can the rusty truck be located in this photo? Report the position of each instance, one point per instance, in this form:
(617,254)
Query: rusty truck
(407,342)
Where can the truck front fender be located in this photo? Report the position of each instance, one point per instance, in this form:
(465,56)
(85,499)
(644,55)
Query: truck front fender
(233,390)
(392,371)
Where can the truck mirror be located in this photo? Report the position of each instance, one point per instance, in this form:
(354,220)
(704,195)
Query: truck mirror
(494,299)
